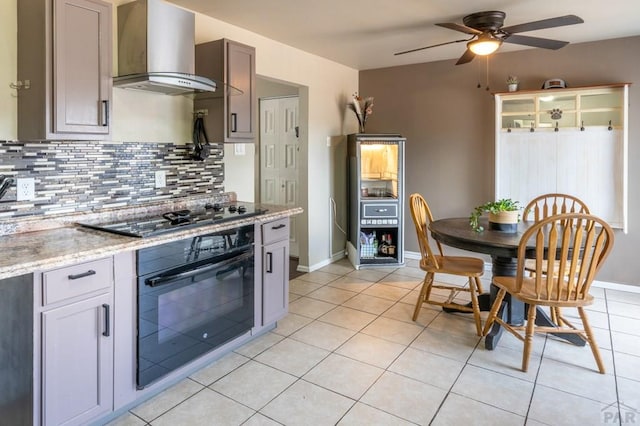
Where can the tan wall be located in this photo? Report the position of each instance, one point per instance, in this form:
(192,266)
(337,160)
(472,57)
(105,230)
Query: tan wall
(449,125)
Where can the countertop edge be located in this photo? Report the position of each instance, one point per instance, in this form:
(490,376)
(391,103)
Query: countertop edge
(100,244)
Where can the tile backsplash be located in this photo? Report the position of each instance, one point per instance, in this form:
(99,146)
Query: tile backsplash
(87,176)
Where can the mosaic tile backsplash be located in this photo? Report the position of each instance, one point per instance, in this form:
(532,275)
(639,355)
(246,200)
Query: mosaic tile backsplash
(87,176)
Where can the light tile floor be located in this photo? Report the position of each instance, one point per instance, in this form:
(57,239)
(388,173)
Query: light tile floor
(349,354)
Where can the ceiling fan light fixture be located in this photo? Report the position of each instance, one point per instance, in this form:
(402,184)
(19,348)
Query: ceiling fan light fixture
(486,44)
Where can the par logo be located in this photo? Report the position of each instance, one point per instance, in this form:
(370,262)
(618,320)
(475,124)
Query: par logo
(625,416)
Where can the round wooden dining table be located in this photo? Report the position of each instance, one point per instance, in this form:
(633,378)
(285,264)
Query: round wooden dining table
(503,249)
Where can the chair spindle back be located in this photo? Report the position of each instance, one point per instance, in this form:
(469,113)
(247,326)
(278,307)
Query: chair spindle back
(573,242)
(552,204)
(422,218)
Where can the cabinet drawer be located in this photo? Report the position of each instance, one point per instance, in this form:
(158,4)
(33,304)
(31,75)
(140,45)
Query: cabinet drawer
(380,210)
(76,280)
(275,231)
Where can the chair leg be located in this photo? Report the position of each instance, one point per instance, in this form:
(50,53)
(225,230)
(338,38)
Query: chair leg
(592,340)
(474,282)
(528,338)
(556,317)
(494,311)
(424,294)
(479,288)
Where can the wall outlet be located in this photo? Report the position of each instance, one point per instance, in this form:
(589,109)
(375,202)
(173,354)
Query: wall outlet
(25,189)
(161,178)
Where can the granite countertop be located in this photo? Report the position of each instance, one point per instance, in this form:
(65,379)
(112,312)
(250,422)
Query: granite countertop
(28,252)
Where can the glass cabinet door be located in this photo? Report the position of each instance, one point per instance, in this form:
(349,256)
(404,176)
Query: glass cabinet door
(517,113)
(379,170)
(557,109)
(601,109)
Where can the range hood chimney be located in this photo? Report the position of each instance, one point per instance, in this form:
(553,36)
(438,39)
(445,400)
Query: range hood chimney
(156,49)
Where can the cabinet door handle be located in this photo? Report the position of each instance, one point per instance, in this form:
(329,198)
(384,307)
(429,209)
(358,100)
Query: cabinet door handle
(107,329)
(234,122)
(105,113)
(282,225)
(269,262)
(82,275)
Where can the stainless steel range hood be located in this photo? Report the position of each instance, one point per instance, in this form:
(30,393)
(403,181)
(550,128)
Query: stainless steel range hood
(156,49)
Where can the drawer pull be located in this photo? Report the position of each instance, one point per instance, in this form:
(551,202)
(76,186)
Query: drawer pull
(107,330)
(105,113)
(381,210)
(82,275)
(269,262)
(234,122)
(282,225)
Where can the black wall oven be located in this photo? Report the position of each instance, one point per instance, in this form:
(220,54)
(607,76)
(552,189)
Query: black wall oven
(193,296)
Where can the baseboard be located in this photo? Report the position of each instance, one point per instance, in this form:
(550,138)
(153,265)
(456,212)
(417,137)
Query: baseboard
(600,284)
(617,286)
(319,265)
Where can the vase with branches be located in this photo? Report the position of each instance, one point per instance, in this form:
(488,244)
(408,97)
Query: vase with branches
(363,108)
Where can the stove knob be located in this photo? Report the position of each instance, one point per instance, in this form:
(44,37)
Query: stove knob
(242,209)
(215,206)
(232,208)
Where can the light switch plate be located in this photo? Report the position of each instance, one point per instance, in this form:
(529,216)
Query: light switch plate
(239,149)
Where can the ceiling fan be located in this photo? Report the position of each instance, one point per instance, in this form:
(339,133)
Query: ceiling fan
(487,33)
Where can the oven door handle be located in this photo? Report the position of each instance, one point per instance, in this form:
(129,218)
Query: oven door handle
(164,279)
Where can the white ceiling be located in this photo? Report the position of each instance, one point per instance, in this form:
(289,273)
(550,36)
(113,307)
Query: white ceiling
(365,34)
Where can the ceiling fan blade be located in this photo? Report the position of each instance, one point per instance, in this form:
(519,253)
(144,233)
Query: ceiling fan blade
(459,27)
(559,21)
(544,43)
(466,57)
(429,47)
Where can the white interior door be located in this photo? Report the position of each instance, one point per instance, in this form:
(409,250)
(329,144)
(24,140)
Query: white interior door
(279,153)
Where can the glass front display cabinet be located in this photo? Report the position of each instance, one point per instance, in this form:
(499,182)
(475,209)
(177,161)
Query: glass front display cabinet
(376,200)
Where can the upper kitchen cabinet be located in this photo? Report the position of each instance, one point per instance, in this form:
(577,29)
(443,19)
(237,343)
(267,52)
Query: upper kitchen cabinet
(580,108)
(231,117)
(65,52)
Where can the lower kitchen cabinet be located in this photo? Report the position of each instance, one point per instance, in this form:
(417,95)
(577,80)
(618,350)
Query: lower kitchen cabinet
(77,343)
(16,350)
(77,362)
(275,270)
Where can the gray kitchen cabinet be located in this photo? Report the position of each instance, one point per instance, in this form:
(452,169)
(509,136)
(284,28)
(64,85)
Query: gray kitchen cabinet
(76,377)
(275,270)
(65,52)
(16,350)
(230,116)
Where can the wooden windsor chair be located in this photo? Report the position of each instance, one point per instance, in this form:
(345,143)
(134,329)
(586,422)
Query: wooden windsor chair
(576,242)
(433,263)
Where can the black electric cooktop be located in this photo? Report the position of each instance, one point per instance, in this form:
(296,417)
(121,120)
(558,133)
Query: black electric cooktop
(178,220)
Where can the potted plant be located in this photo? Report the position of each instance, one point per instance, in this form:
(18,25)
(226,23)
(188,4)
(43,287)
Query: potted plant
(503,215)
(512,83)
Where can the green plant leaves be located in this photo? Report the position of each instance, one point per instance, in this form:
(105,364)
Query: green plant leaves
(503,205)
